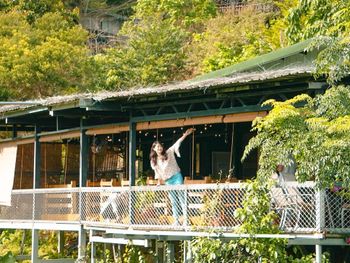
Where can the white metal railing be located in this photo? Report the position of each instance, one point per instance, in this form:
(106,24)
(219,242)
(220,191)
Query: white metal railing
(300,207)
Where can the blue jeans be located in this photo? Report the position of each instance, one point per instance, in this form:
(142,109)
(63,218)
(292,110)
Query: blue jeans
(176,197)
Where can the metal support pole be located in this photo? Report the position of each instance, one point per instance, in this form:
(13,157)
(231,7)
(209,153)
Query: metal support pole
(14,131)
(159,251)
(320,210)
(170,252)
(318,254)
(60,241)
(93,252)
(81,243)
(84,155)
(132,153)
(37,159)
(187,252)
(35,246)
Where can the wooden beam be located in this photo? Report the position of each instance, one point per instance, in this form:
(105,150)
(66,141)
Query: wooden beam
(108,129)
(18,141)
(56,136)
(201,113)
(203,120)
(243,117)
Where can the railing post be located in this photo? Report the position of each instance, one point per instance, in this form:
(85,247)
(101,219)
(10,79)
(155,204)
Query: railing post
(320,219)
(185,208)
(320,210)
(132,195)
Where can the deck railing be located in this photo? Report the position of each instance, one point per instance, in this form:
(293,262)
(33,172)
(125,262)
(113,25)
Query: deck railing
(301,208)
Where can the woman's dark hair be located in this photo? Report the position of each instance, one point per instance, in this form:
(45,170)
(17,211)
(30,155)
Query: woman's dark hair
(153,155)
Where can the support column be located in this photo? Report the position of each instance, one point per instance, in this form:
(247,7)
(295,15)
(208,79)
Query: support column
(84,155)
(160,251)
(132,153)
(14,131)
(37,158)
(318,254)
(93,252)
(35,246)
(81,243)
(187,252)
(60,242)
(170,252)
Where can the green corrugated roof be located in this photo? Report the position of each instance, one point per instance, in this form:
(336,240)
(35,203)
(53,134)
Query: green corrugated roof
(257,61)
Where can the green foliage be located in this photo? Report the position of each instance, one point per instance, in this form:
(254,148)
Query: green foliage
(333,59)
(328,22)
(7,258)
(42,59)
(153,55)
(275,32)
(10,241)
(34,9)
(185,13)
(318,18)
(133,254)
(156,36)
(316,136)
(232,37)
(256,218)
(228,39)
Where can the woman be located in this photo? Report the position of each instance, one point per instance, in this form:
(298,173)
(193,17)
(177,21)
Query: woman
(278,175)
(167,170)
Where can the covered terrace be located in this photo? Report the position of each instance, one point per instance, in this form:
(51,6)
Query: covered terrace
(79,158)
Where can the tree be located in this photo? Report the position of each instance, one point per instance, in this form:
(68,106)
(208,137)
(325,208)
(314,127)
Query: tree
(185,13)
(155,38)
(257,218)
(45,58)
(153,55)
(34,9)
(238,35)
(327,22)
(316,136)
(228,39)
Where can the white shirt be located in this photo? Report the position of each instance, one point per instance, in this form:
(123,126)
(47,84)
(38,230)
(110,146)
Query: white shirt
(164,169)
